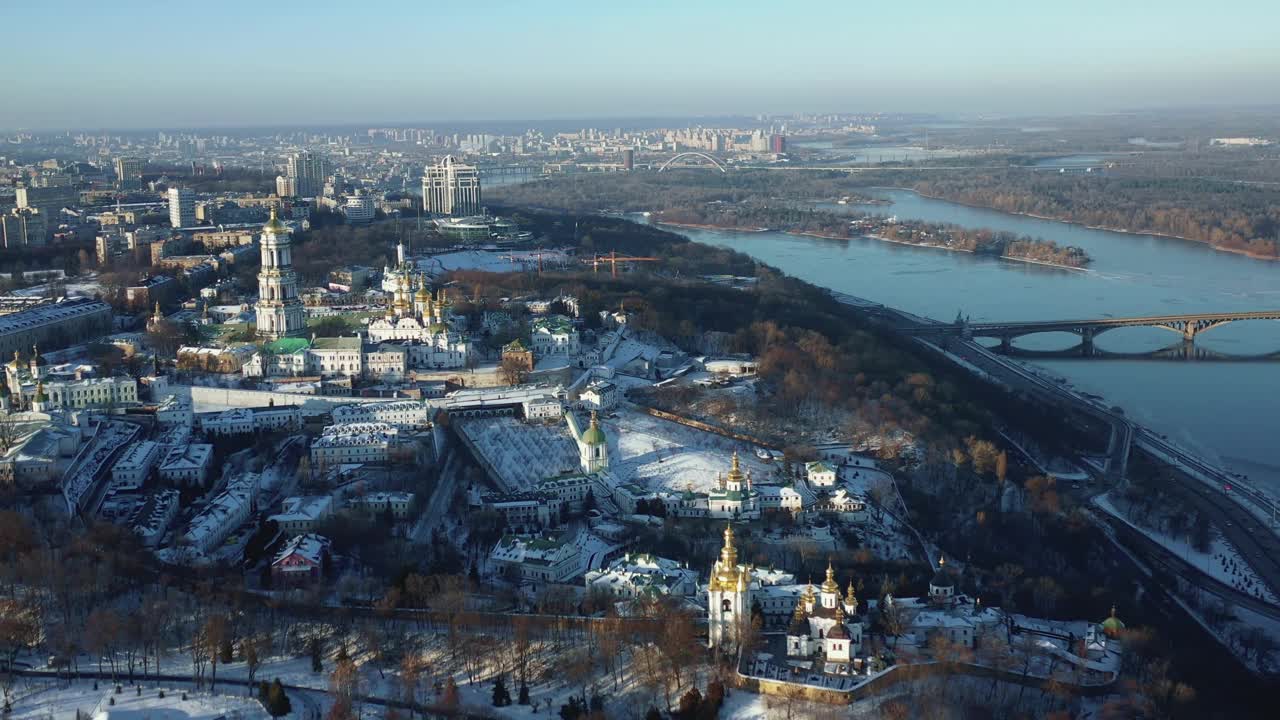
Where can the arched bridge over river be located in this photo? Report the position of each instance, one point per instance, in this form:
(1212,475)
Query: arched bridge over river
(1188,326)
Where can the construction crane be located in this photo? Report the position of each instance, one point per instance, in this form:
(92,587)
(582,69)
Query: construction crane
(613,258)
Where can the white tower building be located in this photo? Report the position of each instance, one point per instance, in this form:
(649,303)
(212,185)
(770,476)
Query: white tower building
(450,188)
(279,310)
(182,207)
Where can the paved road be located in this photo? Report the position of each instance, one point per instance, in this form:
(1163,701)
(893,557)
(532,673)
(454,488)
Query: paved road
(438,503)
(1256,543)
(1140,543)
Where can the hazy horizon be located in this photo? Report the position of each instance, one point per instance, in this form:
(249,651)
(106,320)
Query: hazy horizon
(143,64)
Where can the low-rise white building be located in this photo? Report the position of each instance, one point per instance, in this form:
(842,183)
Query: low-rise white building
(397,503)
(543,408)
(216,520)
(554,335)
(153,519)
(174,410)
(132,468)
(340,356)
(402,413)
(354,443)
(600,395)
(91,392)
(820,474)
(571,490)
(301,514)
(536,559)
(783,497)
(525,512)
(244,421)
(388,362)
(640,575)
(187,464)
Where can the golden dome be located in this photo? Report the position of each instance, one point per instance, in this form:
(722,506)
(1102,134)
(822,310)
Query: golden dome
(830,586)
(729,554)
(274,225)
(735,470)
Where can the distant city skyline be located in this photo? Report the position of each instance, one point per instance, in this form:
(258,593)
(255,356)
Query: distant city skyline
(144,64)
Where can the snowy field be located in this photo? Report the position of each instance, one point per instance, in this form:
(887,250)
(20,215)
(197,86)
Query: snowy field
(522,454)
(662,455)
(59,702)
(80,286)
(859,479)
(490,261)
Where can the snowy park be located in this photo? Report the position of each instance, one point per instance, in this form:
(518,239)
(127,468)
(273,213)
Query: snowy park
(662,455)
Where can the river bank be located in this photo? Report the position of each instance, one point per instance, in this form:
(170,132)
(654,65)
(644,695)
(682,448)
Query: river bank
(715,227)
(1131,275)
(1103,228)
(881,238)
(706,226)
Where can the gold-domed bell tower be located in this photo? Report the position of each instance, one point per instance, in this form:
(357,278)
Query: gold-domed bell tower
(13,374)
(422,301)
(728,596)
(402,302)
(830,591)
(439,307)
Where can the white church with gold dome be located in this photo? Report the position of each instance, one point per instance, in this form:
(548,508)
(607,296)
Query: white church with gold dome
(418,316)
(824,626)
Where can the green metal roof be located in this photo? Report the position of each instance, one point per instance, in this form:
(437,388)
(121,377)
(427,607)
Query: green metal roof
(336,343)
(554,324)
(594,435)
(287,346)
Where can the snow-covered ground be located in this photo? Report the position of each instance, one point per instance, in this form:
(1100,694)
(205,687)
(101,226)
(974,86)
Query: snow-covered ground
(59,701)
(490,261)
(662,455)
(1222,562)
(859,479)
(80,286)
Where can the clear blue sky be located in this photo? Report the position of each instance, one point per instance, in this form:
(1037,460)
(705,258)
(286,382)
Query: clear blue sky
(139,63)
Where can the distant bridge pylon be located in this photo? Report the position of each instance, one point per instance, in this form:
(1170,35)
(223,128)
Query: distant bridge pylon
(718,165)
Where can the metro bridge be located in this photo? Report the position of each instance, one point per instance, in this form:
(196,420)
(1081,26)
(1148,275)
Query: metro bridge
(1188,326)
(1177,352)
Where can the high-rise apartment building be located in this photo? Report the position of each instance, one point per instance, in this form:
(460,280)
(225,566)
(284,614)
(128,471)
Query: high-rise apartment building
(360,208)
(279,310)
(778,144)
(129,172)
(24,227)
(451,188)
(286,187)
(308,171)
(48,200)
(182,207)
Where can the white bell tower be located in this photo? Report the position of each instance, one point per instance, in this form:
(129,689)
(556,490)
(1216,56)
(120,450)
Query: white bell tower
(728,596)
